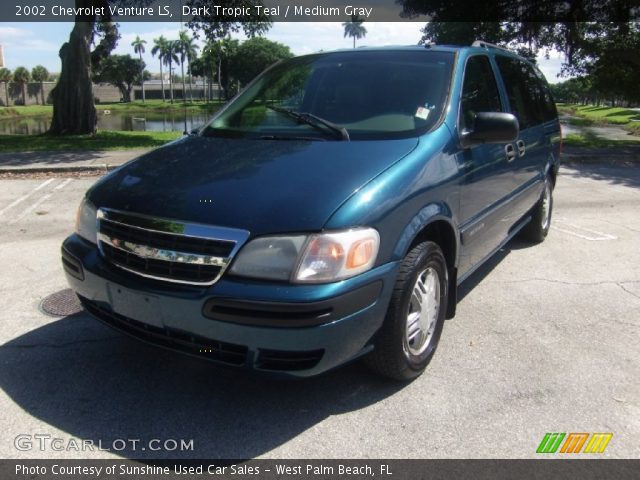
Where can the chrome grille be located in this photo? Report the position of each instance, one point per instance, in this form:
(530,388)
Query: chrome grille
(165,249)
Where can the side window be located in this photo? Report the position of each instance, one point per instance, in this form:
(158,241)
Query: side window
(529,96)
(550,111)
(479,91)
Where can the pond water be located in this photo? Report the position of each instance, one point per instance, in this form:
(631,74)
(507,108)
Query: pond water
(150,122)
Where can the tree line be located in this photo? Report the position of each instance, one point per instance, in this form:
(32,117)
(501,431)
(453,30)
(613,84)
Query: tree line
(86,57)
(591,90)
(602,56)
(599,39)
(225,63)
(21,77)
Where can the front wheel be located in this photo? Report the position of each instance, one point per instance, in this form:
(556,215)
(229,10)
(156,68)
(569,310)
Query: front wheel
(408,338)
(538,228)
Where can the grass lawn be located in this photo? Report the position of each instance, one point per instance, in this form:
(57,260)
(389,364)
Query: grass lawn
(591,141)
(137,106)
(629,119)
(159,106)
(617,115)
(581,122)
(25,111)
(103,140)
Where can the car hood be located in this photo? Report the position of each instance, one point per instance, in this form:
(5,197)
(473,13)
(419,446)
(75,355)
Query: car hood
(263,186)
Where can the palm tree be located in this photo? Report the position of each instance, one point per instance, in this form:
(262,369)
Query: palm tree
(209,60)
(354,29)
(182,39)
(159,46)
(138,47)
(21,76)
(169,55)
(40,74)
(5,77)
(221,49)
(218,49)
(188,51)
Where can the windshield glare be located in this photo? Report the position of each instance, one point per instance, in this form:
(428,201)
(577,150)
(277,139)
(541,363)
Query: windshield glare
(373,94)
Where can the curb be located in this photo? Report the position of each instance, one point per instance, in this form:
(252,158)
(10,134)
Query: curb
(73,169)
(600,159)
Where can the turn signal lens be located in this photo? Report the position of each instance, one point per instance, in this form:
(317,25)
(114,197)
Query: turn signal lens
(360,254)
(86,221)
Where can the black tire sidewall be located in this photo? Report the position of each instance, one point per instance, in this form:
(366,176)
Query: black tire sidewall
(547,184)
(534,230)
(430,255)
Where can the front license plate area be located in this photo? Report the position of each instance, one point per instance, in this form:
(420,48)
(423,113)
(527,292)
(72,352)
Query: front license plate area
(135,305)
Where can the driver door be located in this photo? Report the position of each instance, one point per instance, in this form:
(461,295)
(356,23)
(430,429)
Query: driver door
(486,169)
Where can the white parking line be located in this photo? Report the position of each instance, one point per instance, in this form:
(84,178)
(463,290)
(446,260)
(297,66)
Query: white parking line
(591,235)
(24,197)
(31,208)
(64,184)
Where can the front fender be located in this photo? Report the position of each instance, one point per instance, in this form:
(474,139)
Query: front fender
(431,213)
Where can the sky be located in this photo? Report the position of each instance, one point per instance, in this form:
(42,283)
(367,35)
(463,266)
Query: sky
(31,44)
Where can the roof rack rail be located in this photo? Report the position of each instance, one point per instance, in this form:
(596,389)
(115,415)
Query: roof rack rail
(482,43)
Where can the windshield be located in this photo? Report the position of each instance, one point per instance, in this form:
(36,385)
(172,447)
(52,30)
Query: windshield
(343,95)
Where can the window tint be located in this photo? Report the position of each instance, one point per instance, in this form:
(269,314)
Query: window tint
(373,94)
(479,91)
(529,96)
(550,111)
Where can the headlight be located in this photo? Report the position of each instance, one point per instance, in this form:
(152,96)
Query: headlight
(269,257)
(86,221)
(318,258)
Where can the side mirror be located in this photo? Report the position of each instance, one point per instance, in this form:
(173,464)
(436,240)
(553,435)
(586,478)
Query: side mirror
(491,127)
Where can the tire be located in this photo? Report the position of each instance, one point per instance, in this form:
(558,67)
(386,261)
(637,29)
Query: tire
(538,228)
(396,354)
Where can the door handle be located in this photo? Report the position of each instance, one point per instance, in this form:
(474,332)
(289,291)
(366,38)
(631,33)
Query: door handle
(521,148)
(510,152)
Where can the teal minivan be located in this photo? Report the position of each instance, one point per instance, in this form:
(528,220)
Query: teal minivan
(327,213)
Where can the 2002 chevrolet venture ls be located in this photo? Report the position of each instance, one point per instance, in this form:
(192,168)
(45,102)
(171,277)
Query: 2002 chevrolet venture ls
(328,212)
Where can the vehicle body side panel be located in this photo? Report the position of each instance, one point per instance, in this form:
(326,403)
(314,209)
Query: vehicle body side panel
(400,202)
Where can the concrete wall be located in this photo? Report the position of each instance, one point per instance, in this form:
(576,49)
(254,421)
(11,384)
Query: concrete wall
(104,93)
(32,93)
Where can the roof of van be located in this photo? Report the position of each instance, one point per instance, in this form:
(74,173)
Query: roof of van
(430,47)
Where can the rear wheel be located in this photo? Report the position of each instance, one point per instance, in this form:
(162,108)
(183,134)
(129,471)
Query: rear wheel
(538,228)
(411,330)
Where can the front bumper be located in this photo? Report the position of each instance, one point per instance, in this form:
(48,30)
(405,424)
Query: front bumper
(294,330)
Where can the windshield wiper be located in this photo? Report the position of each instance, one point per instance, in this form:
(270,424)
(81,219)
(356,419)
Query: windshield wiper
(314,121)
(291,137)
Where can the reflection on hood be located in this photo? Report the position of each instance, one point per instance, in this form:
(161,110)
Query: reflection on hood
(259,185)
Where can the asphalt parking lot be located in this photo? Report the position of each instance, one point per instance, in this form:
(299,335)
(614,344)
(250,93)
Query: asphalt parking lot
(546,339)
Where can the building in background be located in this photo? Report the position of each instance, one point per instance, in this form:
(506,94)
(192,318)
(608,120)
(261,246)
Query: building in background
(1,57)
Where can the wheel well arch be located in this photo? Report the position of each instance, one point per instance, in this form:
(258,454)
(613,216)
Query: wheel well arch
(435,223)
(553,173)
(441,232)
(552,170)
(444,234)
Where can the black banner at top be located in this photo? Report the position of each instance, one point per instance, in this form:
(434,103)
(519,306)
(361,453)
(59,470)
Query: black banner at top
(320,10)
